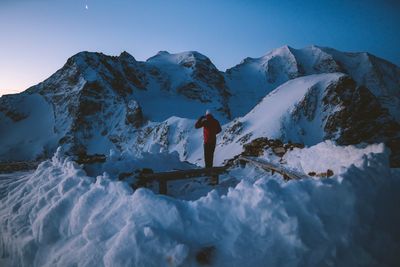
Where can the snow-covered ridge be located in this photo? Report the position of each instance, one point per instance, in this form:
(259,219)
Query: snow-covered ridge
(97,102)
(57,215)
(253,78)
(311,109)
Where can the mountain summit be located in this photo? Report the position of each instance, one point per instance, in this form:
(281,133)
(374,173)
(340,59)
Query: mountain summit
(96,102)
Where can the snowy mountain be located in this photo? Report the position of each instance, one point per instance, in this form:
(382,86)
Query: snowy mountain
(306,110)
(95,100)
(137,116)
(97,103)
(314,108)
(253,78)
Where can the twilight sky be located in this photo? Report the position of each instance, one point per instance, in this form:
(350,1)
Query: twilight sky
(38,36)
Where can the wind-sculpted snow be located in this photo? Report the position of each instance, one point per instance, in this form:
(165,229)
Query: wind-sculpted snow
(336,158)
(58,216)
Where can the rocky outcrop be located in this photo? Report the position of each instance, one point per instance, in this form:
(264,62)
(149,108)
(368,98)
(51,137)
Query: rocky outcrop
(361,117)
(97,102)
(253,78)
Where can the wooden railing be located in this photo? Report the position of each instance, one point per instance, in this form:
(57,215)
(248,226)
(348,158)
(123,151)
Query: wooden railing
(163,177)
(266,165)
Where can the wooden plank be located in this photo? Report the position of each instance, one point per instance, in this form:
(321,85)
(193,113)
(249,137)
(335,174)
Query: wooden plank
(183,174)
(164,177)
(287,174)
(162,187)
(7,167)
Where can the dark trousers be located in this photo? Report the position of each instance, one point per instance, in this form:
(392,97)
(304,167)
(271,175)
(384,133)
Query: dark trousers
(209,149)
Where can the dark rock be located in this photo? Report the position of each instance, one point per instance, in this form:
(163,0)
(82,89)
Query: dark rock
(90,159)
(15,116)
(231,132)
(361,119)
(205,255)
(256,147)
(135,76)
(326,174)
(134,114)
(193,91)
(279,151)
(7,107)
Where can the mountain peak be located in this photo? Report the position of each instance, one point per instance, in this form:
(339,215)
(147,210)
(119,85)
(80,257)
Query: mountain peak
(279,51)
(181,58)
(87,54)
(85,58)
(162,52)
(126,55)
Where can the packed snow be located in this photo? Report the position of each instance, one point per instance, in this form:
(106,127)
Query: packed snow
(141,115)
(96,102)
(272,117)
(60,216)
(31,136)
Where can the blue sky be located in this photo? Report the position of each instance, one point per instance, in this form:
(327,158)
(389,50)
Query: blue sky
(38,36)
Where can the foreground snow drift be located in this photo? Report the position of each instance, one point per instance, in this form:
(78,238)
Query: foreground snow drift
(58,216)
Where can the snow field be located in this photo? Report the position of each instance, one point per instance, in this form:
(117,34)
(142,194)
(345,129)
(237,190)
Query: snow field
(58,216)
(27,138)
(336,158)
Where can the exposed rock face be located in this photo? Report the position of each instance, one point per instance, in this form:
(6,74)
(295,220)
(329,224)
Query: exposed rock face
(362,118)
(96,102)
(351,114)
(9,108)
(252,79)
(258,146)
(98,97)
(327,106)
(134,114)
(194,76)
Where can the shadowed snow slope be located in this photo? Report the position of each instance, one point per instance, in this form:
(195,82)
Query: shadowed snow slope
(311,109)
(58,216)
(253,78)
(96,103)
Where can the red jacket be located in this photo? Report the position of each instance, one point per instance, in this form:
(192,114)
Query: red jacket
(211,128)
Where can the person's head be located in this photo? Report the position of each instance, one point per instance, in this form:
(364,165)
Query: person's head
(208,114)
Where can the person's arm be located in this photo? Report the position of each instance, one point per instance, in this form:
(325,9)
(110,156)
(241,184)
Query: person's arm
(199,122)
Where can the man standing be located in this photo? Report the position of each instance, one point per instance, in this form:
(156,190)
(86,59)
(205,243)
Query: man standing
(211,128)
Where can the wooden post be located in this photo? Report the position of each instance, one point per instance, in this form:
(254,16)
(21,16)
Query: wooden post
(163,177)
(162,186)
(242,163)
(214,180)
(273,167)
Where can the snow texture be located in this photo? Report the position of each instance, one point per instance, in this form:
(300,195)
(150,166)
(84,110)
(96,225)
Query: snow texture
(58,216)
(30,133)
(141,115)
(96,103)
